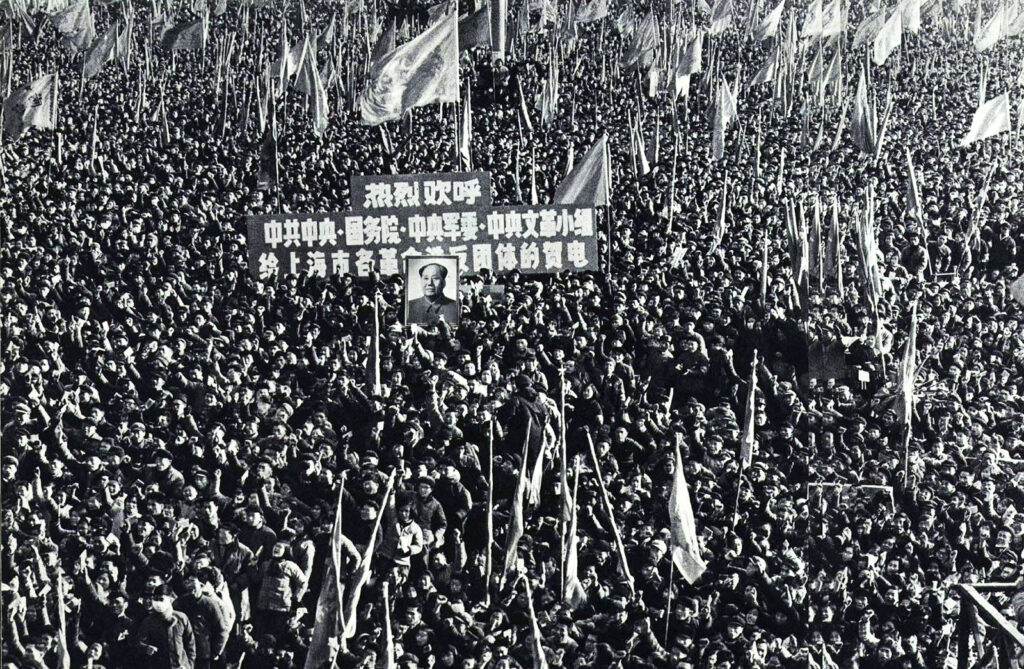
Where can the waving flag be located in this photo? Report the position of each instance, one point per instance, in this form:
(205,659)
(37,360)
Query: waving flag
(747,438)
(724,114)
(889,38)
(911,12)
(475,29)
(993,30)
(31,106)
(721,17)
(516,523)
(100,53)
(864,125)
(540,660)
(645,41)
(589,183)
(595,10)
(185,36)
(685,548)
(575,595)
(769,26)
(75,23)
(990,119)
(690,59)
(913,191)
(363,574)
(319,94)
(307,65)
(420,72)
(812,20)
(327,620)
(908,370)
(832,19)
(767,71)
(869,29)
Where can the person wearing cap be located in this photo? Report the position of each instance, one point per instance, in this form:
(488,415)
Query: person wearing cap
(430,515)
(209,625)
(282,585)
(165,636)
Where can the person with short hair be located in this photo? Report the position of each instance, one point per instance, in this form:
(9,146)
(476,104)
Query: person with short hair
(165,638)
(434,305)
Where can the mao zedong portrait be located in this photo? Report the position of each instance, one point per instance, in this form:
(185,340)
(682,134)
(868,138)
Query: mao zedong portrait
(434,304)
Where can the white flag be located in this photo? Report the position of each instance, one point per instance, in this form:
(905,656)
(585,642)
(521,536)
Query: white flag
(992,118)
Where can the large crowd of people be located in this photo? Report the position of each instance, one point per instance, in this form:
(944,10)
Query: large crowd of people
(177,434)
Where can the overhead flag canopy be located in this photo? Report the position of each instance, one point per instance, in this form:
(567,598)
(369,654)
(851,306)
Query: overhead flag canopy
(990,119)
(31,106)
(422,71)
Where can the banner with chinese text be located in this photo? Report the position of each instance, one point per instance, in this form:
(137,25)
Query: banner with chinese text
(533,240)
(415,191)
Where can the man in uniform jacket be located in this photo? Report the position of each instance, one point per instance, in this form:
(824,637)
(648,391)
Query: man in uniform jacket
(434,304)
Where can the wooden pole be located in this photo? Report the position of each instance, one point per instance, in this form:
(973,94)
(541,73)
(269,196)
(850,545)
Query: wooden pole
(611,516)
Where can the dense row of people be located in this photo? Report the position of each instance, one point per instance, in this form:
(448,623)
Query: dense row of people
(177,434)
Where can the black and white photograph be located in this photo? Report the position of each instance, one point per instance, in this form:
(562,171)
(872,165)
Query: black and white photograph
(432,290)
(512,334)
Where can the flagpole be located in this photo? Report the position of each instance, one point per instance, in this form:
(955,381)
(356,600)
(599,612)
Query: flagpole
(564,480)
(668,605)
(489,564)
(611,516)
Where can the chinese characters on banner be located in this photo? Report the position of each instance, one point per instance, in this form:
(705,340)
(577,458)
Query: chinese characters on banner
(415,191)
(534,240)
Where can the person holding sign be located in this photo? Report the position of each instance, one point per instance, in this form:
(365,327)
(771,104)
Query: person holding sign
(433,280)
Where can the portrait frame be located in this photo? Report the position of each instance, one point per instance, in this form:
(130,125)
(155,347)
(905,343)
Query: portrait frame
(416,306)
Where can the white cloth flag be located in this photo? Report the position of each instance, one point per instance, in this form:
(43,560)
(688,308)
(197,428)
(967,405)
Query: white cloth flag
(889,38)
(1017,290)
(992,118)
(812,21)
(911,10)
(769,27)
(993,30)
(685,547)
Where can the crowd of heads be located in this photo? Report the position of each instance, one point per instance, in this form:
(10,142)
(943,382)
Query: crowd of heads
(177,434)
